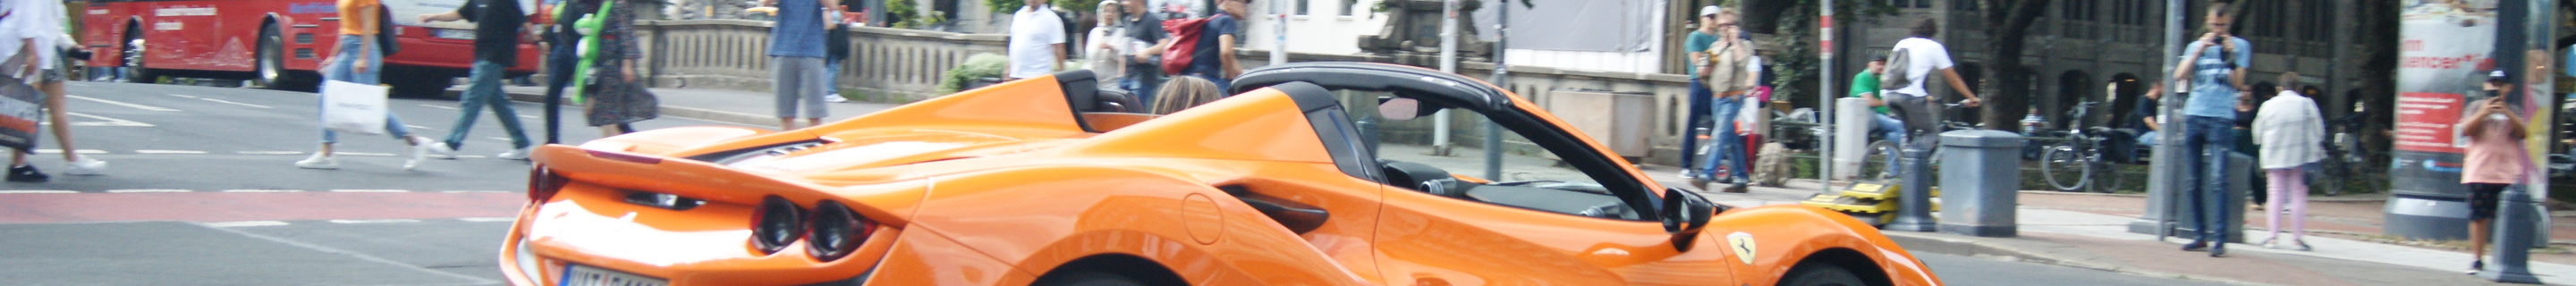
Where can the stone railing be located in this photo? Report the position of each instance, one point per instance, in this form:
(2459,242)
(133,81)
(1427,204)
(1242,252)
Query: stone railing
(906,65)
(733,54)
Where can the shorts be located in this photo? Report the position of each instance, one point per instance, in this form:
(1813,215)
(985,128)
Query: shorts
(50,75)
(2482,200)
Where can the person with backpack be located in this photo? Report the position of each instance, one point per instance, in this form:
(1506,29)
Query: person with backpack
(1211,55)
(1910,63)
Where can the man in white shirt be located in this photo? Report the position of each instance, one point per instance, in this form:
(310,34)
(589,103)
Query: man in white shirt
(1912,103)
(1037,42)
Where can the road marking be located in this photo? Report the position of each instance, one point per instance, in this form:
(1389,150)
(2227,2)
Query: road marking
(487,219)
(169,151)
(121,103)
(530,117)
(36,192)
(363,154)
(183,96)
(473,191)
(60,151)
(147,191)
(440,107)
(245,223)
(499,138)
(236,103)
(109,121)
(470,156)
(360,256)
(357,221)
(270,152)
(369,191)
(419,127)
(262,191)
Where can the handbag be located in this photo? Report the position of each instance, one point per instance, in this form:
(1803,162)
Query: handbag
(353,107)
(19,115)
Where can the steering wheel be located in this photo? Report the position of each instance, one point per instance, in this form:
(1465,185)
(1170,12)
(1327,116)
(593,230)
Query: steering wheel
(1422,177)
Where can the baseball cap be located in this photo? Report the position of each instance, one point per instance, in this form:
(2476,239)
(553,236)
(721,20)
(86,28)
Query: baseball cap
(1705,11)
(2498,75)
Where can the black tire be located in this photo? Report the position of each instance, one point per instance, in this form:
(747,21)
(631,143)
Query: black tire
(1088,279)
(1819,274)
(271,69)
(2065,168)
(132,60)
(1880,162)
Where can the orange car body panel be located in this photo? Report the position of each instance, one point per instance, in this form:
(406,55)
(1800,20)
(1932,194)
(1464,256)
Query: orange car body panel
(999,186)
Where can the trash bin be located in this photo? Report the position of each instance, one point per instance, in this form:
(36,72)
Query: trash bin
(1980,182)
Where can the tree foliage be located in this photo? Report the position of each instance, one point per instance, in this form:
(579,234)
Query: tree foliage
(1794,68)
(2007,24)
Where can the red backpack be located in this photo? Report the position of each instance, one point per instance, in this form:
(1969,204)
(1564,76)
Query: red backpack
(1185,43)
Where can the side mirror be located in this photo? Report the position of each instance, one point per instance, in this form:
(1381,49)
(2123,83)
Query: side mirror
(1401,109)
(1684,214)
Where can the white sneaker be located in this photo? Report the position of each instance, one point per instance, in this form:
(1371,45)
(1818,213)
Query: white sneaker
(835,98)
(443,151)
(514,154)
(85,167)
(418,152)
(319,161)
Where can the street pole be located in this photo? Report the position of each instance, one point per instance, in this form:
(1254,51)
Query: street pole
(2163,172)
(1279,33)
(1493,131)
(1448,64)
(1825,96)
(2511,230)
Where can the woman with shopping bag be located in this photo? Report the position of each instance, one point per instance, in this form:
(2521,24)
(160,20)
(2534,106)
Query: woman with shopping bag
(352,96)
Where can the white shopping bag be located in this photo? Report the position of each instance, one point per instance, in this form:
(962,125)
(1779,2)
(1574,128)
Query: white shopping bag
(353,107)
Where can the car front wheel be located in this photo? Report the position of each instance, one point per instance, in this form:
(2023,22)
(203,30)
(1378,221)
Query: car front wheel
(1820,274)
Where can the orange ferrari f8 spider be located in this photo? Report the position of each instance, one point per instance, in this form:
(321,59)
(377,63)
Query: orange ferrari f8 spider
(1310,174)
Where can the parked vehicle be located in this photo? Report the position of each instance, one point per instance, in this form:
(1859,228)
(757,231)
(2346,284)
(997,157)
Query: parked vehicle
(278,44)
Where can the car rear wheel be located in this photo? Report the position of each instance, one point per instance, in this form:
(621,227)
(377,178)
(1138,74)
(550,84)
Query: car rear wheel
(1820,274)
(133,60)
(272,72)
(1089,279)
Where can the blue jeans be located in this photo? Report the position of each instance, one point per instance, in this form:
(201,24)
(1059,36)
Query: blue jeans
(1143,89)
(341,68)
(831,77)
(2210,138)
(559,64)
(485,90)
(1699,96)
(2148,139)
(1888,128)
(1730,146)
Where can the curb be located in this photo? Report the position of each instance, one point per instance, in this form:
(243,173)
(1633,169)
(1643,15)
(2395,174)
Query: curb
(668,110)
(1973,247)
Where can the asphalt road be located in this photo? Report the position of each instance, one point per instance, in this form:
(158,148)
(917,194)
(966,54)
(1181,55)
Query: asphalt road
(202,191)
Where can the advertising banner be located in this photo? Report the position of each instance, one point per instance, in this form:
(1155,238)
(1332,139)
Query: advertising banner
(2444,51)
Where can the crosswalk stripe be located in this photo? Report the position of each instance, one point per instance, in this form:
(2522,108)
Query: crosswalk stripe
(357,221)
(487,219)
(368,191)
(236,103)
(121,103)
(169,151)
(363,154)
(148,191)
(245,223)
(183,96)
(60,151)
(440,107)
(36,192)
(270,152)
(262,191)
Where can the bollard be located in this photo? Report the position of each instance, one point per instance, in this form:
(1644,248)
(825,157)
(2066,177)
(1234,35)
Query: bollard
(1982,188)
(1851,136)
(2512,235)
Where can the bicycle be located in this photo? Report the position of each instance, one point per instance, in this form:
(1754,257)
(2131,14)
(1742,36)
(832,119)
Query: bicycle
(2071,164)
(2345,159)
(1880,162)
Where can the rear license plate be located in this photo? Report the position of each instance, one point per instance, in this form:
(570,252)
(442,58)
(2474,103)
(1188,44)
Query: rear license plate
(453,34)
(577,275)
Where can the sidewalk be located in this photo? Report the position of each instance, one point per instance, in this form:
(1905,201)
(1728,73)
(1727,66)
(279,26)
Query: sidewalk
(2091,231)
(2069,229)
(727,106)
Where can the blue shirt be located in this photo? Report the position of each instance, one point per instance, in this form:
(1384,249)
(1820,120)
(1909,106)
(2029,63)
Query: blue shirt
(799,30)
(2211,93)
(1204,59)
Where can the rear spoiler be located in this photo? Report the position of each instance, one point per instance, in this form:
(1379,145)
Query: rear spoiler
(889,202)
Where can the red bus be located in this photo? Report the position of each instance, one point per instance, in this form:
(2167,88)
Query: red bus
(275,43)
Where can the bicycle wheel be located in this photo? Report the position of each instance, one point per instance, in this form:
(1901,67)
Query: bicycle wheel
(1880,162)
(2064,168)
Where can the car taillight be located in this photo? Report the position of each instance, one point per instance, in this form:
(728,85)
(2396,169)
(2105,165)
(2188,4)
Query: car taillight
(775,225)
(543,183)
(835,231)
